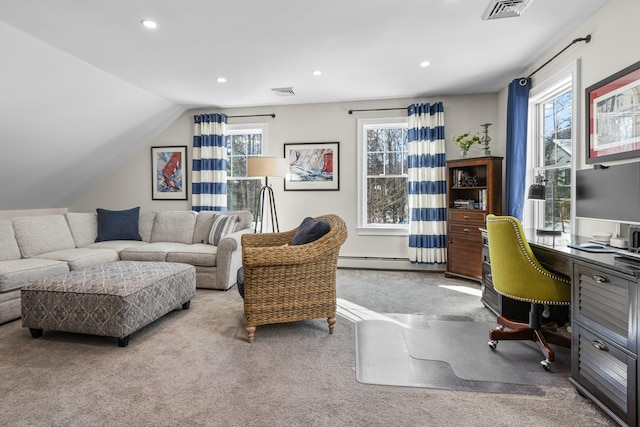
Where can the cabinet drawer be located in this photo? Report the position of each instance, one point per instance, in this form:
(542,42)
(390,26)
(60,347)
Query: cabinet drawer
(605,371)
(604,302)
(466,231)
(467,215)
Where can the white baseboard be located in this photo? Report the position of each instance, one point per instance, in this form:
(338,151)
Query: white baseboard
(374,263)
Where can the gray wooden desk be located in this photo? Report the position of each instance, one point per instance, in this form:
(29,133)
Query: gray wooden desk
(604,322)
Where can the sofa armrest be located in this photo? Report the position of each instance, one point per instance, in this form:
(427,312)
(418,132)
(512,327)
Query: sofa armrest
(229,257)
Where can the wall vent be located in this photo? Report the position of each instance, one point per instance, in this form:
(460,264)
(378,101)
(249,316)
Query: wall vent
(283,91)
(505,9)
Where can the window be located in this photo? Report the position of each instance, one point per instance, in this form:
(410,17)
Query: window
(383,205)
(243,141)
(553,141)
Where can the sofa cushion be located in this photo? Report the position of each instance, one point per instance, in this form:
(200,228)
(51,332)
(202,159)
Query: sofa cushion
(146,224)
(310,230)
(174,226)
(39,234)
(156,251)
(84,227)
(17,273)
(78,258)
(221,226)
(118,225)
(8,245)
(199,254)
(116,245)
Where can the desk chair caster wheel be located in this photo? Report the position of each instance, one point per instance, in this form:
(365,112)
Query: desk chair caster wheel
(546,365)
(493,344)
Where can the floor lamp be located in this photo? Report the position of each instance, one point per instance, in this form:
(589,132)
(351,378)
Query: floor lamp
(266,167)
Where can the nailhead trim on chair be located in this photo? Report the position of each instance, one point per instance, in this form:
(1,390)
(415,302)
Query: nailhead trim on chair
(538,269)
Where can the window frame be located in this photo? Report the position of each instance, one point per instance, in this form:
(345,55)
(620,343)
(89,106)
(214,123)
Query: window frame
(246,128)
(364,228)
(550,88)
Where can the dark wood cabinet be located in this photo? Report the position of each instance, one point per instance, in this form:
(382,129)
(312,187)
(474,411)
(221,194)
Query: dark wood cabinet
(604,344)
(474,189)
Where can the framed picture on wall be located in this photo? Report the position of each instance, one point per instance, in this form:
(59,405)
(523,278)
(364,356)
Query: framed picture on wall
(312,166)
(168,173)
(613,116)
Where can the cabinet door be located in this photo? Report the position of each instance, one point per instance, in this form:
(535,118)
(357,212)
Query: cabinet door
(464,253)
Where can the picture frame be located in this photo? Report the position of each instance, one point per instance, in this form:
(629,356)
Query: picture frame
(312,166)
(613,116)
(168,173)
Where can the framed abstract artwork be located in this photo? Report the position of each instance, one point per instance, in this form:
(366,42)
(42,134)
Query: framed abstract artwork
(613,116)
(168,181)
(312,166)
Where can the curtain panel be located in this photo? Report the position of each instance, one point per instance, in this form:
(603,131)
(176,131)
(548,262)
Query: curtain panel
(209,169)
(427,184)
(516,158)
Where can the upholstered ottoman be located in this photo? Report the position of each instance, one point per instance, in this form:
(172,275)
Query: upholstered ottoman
(113,299)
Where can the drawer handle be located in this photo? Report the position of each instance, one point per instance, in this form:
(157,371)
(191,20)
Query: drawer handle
(466,230)
(600,279)
(466,217)
(599,345)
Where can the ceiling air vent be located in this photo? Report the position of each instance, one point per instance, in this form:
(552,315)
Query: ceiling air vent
(283,91)
(505,9)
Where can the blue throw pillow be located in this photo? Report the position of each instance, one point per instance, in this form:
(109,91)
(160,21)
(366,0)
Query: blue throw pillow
(309,231)
(118,225)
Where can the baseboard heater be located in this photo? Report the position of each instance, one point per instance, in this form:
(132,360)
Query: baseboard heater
(378,263)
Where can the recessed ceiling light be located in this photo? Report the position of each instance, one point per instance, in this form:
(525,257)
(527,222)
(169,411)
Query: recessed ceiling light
(221,80)
(425,64)
(152,25)
(317,73)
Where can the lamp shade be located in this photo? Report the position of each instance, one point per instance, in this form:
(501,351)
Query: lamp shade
(537,192)
(266,166)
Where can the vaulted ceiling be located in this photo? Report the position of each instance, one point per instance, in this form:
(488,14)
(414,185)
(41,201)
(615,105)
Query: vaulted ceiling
(83,84)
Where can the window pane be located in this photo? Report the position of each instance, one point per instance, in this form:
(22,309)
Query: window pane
(557,126)
(375,163)
(375,140)
(387,201)
(558,205)
(395,165)
(242,194)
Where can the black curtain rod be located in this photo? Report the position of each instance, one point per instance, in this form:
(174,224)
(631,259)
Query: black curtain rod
(378,109)
(254,115)
(586,39)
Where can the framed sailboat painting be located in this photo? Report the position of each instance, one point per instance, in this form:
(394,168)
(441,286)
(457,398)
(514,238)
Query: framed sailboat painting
(312,166)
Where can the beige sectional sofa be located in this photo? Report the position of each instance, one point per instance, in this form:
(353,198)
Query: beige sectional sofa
(34,247)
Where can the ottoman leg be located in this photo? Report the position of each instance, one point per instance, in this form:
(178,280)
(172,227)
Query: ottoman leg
(186,305)
(35,332)
(123,342)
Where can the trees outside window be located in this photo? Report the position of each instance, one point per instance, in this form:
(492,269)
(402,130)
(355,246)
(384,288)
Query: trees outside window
(383,175)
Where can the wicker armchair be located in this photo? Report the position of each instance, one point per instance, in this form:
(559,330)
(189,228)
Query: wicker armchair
(284,283)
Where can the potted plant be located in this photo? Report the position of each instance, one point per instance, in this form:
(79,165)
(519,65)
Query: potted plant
(465,141)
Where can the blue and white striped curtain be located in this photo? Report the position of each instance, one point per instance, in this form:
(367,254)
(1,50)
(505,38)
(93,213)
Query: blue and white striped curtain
(427,184)
(209,171)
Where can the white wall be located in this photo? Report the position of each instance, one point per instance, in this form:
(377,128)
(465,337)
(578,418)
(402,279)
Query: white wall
(130,185)
(614,45)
